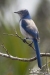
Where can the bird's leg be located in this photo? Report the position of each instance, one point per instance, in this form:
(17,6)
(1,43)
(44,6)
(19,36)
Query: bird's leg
(28,39)
(31,43)
(24,40)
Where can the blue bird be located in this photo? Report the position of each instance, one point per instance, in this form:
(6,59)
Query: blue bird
(30,31)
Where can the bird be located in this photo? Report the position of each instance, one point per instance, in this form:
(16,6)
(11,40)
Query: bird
(29,30)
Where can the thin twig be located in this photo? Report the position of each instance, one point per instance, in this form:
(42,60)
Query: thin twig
(45,64)
(5,49)
(16,35)
(21,59)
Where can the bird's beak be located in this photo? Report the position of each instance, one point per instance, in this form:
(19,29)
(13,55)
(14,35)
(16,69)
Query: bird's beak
(17,12)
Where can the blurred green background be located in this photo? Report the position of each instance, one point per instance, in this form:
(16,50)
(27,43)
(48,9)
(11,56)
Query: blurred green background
(9,23)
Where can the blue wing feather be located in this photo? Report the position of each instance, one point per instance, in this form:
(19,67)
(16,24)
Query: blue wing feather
(37,52)
(32,32)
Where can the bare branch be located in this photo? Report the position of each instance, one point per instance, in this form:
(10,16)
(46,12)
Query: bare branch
(16,35)
(5,49)
(24,59)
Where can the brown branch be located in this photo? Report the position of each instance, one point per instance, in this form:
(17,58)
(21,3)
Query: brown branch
(24,59)
(24,40)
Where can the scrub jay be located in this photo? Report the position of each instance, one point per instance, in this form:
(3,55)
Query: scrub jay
(30,31)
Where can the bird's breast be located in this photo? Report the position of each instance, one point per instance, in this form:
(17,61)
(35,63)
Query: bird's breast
(24,33)
(22,30)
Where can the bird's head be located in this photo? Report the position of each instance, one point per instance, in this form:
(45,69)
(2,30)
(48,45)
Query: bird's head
(23,13)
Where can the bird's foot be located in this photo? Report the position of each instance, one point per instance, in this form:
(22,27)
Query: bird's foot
(31,43)
(24,40)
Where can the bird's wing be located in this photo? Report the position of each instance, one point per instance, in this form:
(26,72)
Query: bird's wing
(30,27)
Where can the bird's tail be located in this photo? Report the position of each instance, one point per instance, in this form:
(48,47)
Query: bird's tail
(37,52)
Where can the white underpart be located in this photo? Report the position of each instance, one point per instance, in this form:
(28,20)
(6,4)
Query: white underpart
(32,26)
(24,33)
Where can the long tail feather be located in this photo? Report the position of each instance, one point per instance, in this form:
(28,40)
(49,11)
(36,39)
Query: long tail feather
(37,52)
